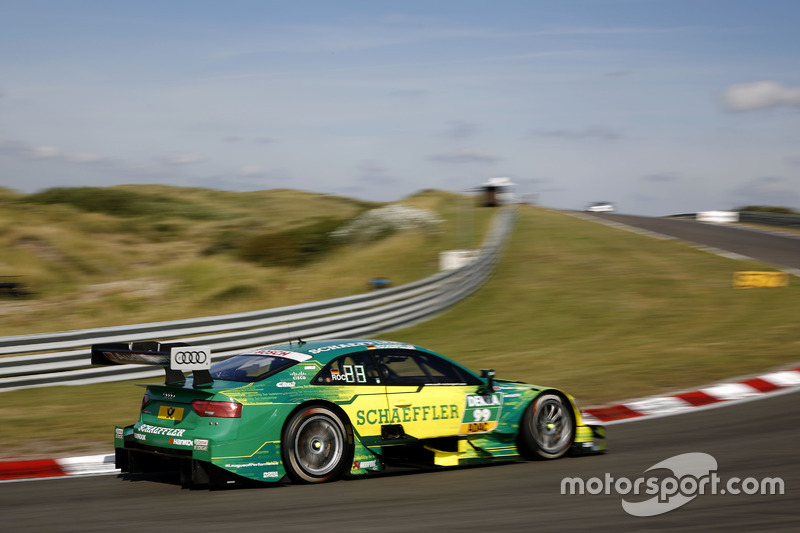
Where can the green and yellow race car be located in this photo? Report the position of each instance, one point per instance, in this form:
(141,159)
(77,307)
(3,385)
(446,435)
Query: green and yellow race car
(315,411)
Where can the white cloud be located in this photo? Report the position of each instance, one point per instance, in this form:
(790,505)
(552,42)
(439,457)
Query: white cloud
(252,171)
(760,95)
(465,156)
(180,159)
(45,152)
(83,157)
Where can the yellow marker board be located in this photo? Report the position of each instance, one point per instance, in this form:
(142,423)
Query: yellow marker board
(755,279)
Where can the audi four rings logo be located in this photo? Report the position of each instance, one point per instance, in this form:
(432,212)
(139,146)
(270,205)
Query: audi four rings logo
(191,357)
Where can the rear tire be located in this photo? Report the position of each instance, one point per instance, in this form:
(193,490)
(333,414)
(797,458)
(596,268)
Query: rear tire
(316,445)
(547,428)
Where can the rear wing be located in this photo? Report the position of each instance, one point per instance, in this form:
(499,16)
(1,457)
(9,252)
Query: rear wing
(176,358)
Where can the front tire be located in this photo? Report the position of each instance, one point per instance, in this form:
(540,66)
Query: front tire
(547,428)
(316,446)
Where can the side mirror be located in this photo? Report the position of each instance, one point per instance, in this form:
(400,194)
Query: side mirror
(488,375)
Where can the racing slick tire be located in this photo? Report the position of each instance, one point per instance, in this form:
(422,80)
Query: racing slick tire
(316,445)
(547,428)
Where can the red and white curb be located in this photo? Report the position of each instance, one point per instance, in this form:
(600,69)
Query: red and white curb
(676,403)
(750,388)
(46,468)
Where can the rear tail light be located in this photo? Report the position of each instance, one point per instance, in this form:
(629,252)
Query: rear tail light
(217,409)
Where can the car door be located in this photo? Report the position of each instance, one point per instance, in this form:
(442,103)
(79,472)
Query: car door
(429,396)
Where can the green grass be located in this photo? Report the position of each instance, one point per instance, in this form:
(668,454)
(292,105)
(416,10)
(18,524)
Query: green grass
(602,313)
(609,314)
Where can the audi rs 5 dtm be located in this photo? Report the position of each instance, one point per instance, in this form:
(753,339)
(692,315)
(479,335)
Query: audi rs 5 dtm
(315,411)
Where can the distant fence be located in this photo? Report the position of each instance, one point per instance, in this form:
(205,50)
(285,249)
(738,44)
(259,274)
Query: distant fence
(63,358)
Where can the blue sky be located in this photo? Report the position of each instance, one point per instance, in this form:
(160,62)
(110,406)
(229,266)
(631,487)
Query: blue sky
(661,106)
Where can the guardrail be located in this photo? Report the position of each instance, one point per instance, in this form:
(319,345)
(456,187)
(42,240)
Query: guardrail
(63,358)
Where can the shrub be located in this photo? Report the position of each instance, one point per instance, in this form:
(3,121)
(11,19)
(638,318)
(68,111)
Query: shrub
(292,247)
(768,209)
(120,203)
(379,223)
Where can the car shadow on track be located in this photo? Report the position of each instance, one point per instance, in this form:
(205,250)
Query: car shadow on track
(174,477)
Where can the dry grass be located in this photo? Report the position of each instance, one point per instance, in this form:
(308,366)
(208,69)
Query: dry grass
(93,270)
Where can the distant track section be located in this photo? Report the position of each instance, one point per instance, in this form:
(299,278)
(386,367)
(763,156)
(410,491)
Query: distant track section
(63,358)
(776,248)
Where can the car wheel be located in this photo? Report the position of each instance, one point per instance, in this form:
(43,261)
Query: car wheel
(548,427)
(316,445)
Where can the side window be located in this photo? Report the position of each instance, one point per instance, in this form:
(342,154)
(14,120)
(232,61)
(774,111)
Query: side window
(401,368)
(442,371)
(405,367)
(352,369)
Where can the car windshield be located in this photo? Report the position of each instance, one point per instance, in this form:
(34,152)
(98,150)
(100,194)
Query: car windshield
(249,367)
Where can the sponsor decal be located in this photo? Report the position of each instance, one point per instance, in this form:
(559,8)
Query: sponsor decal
(276,353)
(136,358)
(181,442)
(399,415)
(282,353)
(119,433)
(190,358)
(158,430)
(481,413)
(368,345)
(368,465)
(285,384)
(140,436)
(268,475)
(489,400)
(250,465)
(299,376)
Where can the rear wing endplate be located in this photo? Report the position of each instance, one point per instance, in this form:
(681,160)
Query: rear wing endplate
(176,358)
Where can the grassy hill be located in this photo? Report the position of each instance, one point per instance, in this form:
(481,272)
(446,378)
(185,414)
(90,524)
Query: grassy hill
(98,257)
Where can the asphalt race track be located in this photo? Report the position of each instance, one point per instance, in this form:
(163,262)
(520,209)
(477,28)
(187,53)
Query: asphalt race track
(782,250)
(751,440)
(756,439)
